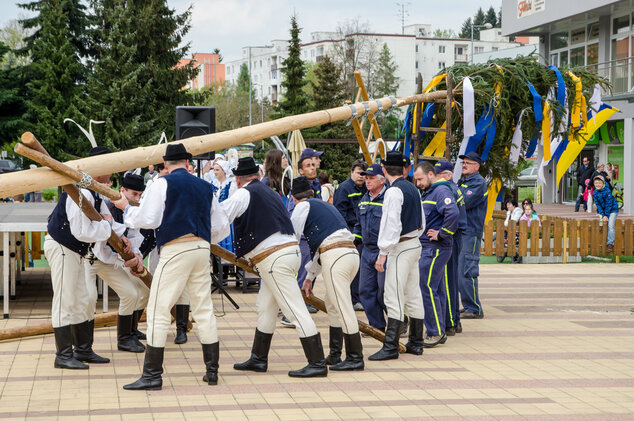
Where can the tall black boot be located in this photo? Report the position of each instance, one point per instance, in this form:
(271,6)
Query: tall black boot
(211,353)
(83,336)
(389,351)
(336,343)
(135,325)
(354,354)
(64,355)
(314,351)
(152,369)
(182,317)
(415,343)
(126,341)
(259,360)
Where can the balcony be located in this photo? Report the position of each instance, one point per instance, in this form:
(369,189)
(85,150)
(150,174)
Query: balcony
(619,72)
(461,58)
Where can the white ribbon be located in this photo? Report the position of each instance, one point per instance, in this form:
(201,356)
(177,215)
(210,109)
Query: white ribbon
(516,143)
(468,107)
(595,100)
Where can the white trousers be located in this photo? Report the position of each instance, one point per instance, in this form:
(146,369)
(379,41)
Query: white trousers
(184,265)
(339,267)
(71,301)
(402,281)
(152,263)
(132,292)
(279,289)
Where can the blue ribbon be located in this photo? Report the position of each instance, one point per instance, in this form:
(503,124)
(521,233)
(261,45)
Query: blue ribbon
(531,147)
(561,148)
(561,87)
(485,126)
(537,103)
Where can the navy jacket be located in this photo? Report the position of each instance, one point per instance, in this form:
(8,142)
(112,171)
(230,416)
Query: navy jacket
(441,213)
(474,192)
(459,198)
(346,200)
(370,212)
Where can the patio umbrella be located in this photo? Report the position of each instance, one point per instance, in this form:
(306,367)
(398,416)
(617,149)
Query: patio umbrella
(296,145)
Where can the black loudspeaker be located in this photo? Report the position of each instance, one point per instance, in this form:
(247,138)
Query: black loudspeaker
(195,121)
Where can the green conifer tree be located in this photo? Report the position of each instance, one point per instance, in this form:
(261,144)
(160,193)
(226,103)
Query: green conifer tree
(385,81)
(11,100)
(491,17)
(294,99)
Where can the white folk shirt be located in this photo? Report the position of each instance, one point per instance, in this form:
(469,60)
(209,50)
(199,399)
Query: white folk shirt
(300,214)
(83,228)
(149,214)
(106,255)
(237,205)
(390,228)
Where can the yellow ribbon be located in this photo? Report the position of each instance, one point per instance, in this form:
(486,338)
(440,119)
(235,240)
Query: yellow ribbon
(575,118)
(492,195)
(546,131)
(437,145)
(434,82)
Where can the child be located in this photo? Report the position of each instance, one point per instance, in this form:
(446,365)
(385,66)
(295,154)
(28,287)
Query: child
(607,207)
(530,215)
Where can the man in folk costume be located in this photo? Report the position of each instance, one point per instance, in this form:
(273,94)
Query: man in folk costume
(108,265)
(182,209)
(334,254)
(66,246)
(264,234)
(402,223)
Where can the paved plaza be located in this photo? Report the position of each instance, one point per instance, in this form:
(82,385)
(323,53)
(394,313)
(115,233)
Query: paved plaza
(557,342)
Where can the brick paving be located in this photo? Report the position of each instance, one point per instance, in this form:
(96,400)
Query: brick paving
(557,342)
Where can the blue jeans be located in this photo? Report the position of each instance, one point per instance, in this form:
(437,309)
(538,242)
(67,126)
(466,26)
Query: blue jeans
(580,200)
(611,223)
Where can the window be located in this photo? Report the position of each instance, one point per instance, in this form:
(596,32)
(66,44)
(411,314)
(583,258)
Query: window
(578,36)
(559,40)
(554,59)
(441,49)
(478,50)
(592,56)
(563,59)
(459,51)
(620,49)
(494,48)
(593,31)
(417,64)
(441,65)
(620,25)
(577,57)
(416,47)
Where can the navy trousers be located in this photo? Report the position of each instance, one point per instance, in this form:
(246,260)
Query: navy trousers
(452,313)
(371,286)
(468,271)
(432,264)
(305,250)
(354,286)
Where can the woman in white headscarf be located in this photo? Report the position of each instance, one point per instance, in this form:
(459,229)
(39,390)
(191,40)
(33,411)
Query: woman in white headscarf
(223,187)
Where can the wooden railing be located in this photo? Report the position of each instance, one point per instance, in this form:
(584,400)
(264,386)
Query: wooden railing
(566,237)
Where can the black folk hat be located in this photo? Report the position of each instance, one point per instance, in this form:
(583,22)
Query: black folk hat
(176,152)
(246,166)
(300,185)
(394,159)
(133,182)
(99,150)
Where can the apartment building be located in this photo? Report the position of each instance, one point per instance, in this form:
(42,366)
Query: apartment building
(211,71)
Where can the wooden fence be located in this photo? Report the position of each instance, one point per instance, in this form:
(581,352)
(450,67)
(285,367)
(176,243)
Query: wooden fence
(567,237)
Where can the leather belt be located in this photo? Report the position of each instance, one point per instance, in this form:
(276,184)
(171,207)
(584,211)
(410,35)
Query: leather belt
(184,238)
(338,244)
(266,253)
(405,239)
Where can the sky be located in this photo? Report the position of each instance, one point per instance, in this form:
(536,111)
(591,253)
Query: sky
(233,24)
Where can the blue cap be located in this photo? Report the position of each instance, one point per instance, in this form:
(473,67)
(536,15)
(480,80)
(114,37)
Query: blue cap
(472,156)
(374,169)
(442,166)
(407,161)
(310,152)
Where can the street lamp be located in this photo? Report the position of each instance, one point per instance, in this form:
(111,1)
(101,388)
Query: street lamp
(486,25)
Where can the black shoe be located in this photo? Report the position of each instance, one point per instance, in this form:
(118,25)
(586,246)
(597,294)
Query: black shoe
(64,345)
(211,353)
(354,354)
(83,336)
(135,326)
(335,344)
(459,327)
(389,351)
(450,331)
(287,323)
(152,369)
(314,352)
(404,327)
(259,360)
(182,318)
(415,343)
(462,310)
(126,341)
(432,341)
(468,315)
(311,309)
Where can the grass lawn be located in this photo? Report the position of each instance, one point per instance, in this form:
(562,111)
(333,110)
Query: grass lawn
(525,193)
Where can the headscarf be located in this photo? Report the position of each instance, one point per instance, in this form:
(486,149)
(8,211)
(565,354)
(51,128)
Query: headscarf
(226,167)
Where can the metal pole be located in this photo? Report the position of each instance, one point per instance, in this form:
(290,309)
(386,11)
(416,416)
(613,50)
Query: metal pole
(250,122)
(471,61)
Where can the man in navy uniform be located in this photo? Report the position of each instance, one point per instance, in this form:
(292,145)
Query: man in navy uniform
(182,209)
(333,254)
(441,216)
(346,200)
(66,246)
(264,234)
(366,231)
(402,223)
(444,170)
(474,191)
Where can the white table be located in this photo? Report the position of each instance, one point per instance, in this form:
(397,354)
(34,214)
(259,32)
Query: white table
(16,218)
